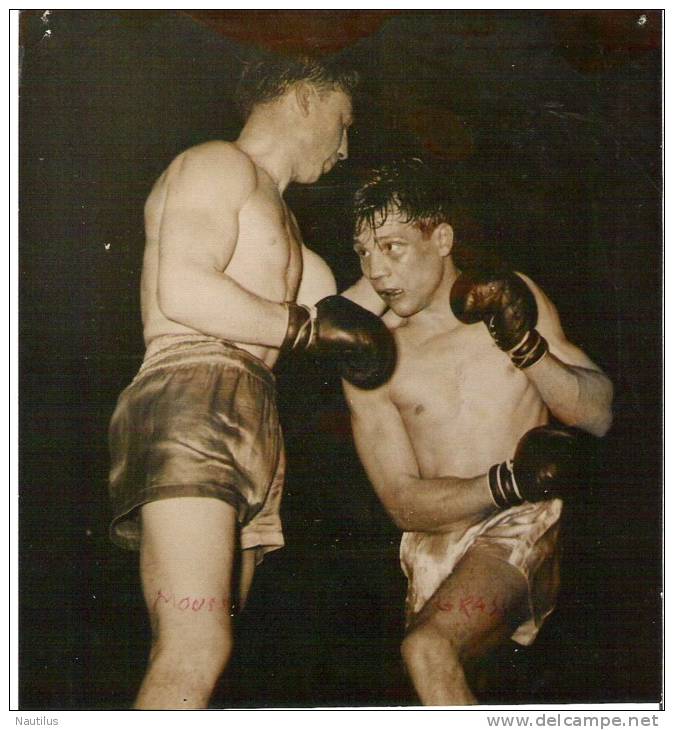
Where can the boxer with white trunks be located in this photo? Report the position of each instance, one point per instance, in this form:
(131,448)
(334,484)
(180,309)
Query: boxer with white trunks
(457,444)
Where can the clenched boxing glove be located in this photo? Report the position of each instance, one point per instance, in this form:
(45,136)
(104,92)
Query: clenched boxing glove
(545,465)
(508,308)
(340,330)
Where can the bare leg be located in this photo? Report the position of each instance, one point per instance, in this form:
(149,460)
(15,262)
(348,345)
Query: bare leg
(246,578)
(474,610)
(186,561)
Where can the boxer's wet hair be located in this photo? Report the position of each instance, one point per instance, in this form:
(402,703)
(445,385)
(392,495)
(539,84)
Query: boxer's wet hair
(410,186)
(425,194)
(268,78)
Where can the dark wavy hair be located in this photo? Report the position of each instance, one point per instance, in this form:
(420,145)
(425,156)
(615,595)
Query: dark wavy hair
(425,194)
(269,77)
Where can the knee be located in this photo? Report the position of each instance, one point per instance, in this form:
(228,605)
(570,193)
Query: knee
(426,647)
(198,653)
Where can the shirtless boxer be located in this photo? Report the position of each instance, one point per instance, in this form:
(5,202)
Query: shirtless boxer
(437,440)
(226,286)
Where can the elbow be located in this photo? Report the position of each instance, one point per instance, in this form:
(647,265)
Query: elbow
(171,299)
(401,514)
(604,417)
(603,423)
(406,507)
(599,421)
(599,426)
(414,522)
(407,519)
(170,306)
(401,521)
(396,514)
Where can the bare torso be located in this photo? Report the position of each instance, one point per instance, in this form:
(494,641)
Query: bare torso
(267,259)
(464,406)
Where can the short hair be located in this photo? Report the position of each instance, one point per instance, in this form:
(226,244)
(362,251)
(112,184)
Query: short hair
(270,77)
(425,194)
(411,186)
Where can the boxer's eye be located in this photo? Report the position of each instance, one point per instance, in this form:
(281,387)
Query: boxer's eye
(391,248)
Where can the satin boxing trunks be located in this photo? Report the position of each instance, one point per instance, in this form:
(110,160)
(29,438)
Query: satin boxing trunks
(525,537)
(199,420)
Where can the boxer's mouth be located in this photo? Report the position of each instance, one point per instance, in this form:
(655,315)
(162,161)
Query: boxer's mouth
(390,294)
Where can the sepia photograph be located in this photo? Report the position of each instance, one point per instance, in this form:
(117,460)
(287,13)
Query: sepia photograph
(340,359)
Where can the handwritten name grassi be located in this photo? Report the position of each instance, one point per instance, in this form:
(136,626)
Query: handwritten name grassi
(469,605)
(191,603)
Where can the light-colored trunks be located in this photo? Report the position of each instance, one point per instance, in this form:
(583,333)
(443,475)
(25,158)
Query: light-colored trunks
(525,537)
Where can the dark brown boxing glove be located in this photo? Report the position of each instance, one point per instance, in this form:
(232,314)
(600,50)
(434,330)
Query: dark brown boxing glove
(545,466)
(339,330)
(507,307)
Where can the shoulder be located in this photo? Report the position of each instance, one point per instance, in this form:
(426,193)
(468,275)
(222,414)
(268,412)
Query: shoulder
(308,254)
(366,405)
(405,334)
(316,265)
(218,151)
(315,262)
(317,280)
(216,163)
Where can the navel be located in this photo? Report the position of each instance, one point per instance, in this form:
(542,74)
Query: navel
(418,410)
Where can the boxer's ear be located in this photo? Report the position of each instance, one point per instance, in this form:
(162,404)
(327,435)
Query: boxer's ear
(304,93)
(443,236)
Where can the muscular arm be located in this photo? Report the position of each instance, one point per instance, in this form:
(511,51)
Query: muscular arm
(575,390)
(412,502)
(199,229)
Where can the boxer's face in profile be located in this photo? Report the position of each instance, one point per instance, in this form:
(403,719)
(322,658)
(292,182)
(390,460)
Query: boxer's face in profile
(327,123)
(404,266)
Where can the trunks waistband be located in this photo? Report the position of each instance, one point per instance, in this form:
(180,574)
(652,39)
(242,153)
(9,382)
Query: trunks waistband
(169,351)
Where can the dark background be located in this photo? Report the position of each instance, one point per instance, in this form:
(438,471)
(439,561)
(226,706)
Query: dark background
(549,122)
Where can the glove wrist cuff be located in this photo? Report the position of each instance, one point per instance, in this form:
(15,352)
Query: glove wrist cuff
(529,351)
(300,329)
(504,489)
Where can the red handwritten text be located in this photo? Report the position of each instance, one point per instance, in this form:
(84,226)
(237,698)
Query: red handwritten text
(190,603)
(470,605)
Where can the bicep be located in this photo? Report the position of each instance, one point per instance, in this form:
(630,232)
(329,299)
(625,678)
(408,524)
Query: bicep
(199,223)
(382,442)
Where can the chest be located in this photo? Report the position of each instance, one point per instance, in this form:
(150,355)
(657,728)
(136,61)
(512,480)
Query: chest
(455,377)
(269,242)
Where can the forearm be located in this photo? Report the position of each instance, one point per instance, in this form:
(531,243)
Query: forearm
(576,396)
(215,304)
(436,505)
(364,295)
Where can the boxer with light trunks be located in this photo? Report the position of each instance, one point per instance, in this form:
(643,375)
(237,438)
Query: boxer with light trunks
(457,444)
(227,285)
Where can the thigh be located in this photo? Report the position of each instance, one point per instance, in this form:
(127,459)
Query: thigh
(186,560)
(478,606)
